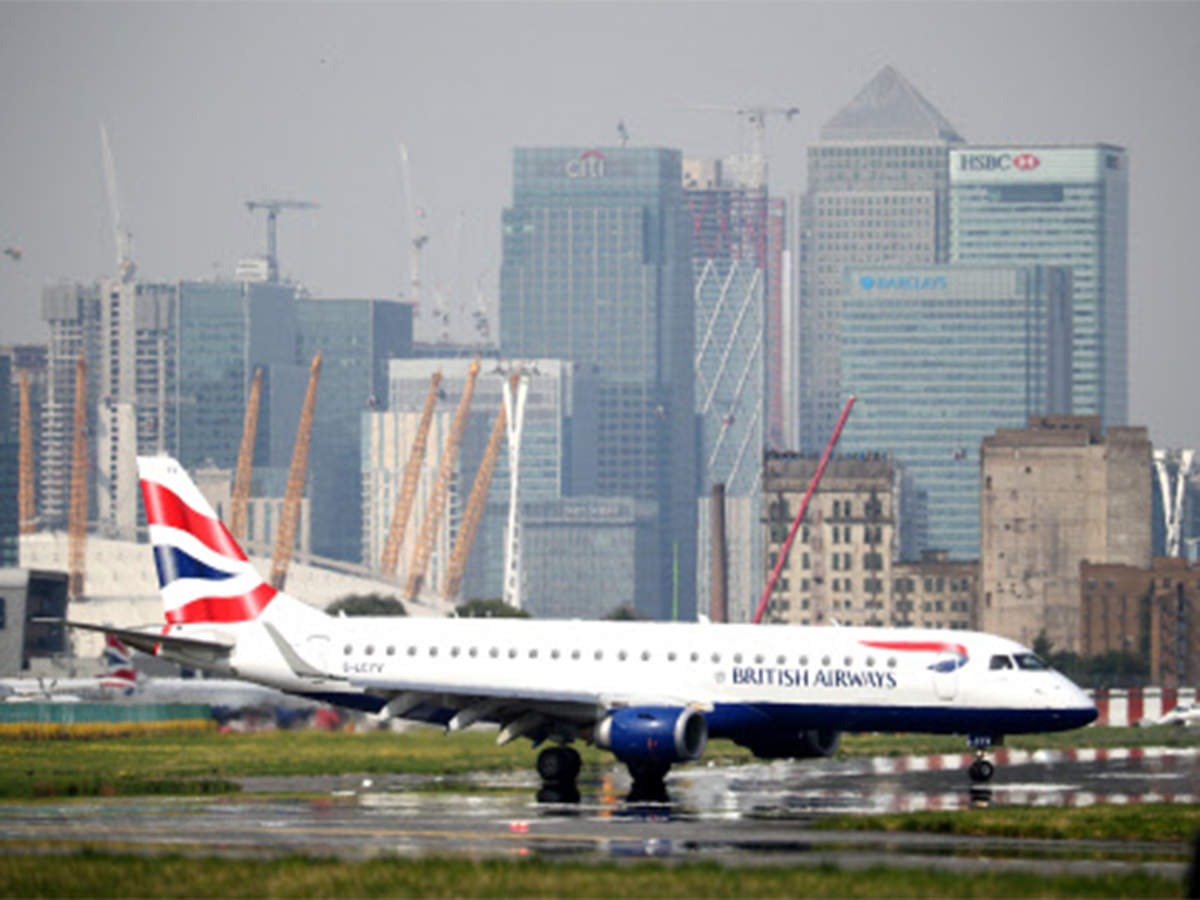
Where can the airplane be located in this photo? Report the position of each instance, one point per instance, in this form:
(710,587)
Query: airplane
(652,693)
(229,698)
(118,680)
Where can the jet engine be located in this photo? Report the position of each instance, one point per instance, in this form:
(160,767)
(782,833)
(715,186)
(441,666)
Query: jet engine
(654,735)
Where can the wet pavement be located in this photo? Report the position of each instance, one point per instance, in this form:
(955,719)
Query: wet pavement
(747,814)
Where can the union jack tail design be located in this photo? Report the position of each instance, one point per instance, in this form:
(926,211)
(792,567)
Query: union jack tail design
(203,574)
(118,664)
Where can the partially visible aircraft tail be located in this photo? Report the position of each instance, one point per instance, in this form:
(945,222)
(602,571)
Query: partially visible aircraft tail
(203,575)
(119,672)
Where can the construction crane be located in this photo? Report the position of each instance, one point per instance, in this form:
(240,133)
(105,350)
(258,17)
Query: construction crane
(245,463)
(470,522)
(273,207)
(285,534)
(123,239)
(408,487)
(78,509)
(441,488)
(756,117)
(25,515)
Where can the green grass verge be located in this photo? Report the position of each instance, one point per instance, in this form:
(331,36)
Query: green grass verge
(153,763)
(94,874)
(1143,822)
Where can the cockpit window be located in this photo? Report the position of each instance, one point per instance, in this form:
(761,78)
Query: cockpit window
(1001,662)
(1029,662)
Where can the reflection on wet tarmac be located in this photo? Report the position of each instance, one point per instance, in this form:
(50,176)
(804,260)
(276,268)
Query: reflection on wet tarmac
(749,812)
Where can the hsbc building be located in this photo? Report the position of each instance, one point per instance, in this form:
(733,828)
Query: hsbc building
(1057,205)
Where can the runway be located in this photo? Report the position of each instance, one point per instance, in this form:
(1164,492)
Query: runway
(751,814)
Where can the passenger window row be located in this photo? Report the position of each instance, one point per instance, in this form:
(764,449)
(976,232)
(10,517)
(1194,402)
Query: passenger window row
(737,659)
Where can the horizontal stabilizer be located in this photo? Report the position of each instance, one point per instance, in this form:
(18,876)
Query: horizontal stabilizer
(149,641)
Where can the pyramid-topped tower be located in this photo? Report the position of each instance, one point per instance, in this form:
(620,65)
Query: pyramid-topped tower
(878,192)
(889,108)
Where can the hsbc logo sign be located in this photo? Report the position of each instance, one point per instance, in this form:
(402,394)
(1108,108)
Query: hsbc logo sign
(589,165)
(998,162)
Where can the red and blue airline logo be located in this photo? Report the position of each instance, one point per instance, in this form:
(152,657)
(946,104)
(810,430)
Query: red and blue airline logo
(952,656)
(212,590)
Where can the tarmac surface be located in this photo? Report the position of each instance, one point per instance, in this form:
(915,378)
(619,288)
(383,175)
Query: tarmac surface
(749,814)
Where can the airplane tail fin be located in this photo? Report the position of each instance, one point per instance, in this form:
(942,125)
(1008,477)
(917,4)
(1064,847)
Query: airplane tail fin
(203,575)
(119,673)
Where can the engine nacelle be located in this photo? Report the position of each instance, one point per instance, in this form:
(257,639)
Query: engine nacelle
(655,735)
(810,744)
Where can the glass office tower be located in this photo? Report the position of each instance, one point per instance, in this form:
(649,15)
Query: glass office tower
(596,270)
(939,357)
(356,338)
(878,192)
(1064,206)
(224,331)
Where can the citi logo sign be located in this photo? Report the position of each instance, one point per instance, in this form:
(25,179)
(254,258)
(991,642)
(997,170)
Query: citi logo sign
(589,165)
(998,162)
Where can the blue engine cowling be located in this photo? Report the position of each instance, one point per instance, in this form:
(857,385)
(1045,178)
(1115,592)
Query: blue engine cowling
(655,735)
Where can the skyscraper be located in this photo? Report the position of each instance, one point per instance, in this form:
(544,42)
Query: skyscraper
(596,270)
(941,356)
(8,471)
(225,330)
(72,312)
(878,192)
(1063,206)
(136,382)
(730,244)
(356,338)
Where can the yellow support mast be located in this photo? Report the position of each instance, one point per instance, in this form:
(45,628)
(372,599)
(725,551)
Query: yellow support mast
(470,523)
(245,463)
(441,488)
(285,534)
(408,487)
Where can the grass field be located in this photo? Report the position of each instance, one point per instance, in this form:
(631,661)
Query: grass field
(205,762)
(91,874)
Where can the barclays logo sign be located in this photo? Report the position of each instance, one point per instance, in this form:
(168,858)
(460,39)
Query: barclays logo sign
(904,283)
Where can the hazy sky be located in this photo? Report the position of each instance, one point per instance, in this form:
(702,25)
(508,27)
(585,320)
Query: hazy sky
(209,105)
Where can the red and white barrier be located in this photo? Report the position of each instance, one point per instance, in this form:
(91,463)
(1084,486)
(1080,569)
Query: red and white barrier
(1121,707)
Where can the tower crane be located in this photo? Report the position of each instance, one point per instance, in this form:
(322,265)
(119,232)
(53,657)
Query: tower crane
(441,487)
(123,239)
(756,118)
(245,463)
(78,508)
(285,534)
(408,487)
(470,523)
(25,515)
(273,207)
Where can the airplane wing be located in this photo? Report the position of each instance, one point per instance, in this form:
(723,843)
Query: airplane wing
(525,712)
(196,649)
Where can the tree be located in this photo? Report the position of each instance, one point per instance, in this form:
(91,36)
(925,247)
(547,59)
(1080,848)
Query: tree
(367,605)
(489,609)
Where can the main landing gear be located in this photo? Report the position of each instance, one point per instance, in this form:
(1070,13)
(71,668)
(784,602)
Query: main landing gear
(558,768)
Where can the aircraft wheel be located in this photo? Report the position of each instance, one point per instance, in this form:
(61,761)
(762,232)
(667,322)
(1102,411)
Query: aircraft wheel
(981,770)
(558,765)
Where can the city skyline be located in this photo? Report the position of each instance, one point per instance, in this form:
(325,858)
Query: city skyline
(310,102)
